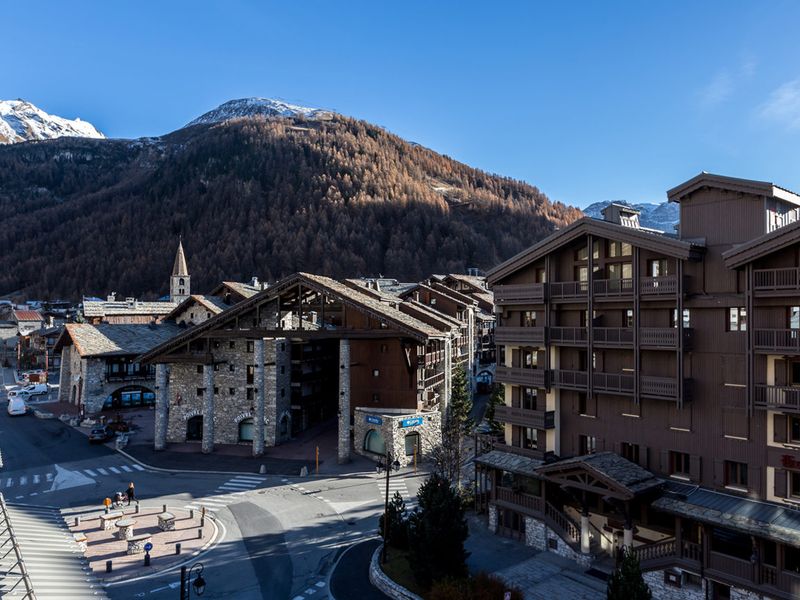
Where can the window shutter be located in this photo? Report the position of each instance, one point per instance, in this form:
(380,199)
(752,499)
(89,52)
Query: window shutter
(694,468)
(719,473)
(665,462)
(644,456)
(781,486)
(780,429)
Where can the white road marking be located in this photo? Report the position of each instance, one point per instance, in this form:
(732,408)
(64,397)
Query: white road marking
(114,470)
(138,467)
(102,471)
(90,473)
(23,480)
(126,468)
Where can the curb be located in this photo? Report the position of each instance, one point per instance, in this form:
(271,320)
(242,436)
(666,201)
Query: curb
(385,583)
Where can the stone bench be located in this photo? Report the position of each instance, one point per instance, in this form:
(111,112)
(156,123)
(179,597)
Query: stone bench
(108,520)
(166,521)
(81,540)
(137,542)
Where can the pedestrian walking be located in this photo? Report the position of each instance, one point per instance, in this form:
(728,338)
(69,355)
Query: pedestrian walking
(131,492)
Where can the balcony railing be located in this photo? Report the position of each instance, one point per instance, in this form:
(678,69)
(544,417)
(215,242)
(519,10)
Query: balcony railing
(777,397)
(776,281)
(431,381)
(568,336)
(523,293)
(784,341)
(663,337)
(130,376)
(562,524)
(567,290)
(615,337)
(527,502)
(658,286)
(663,553)
(662,387)
(569,379)
(538,419)
(529,452)
(614,383)
(520,335)
(520,376)
(612,288)
(732,567)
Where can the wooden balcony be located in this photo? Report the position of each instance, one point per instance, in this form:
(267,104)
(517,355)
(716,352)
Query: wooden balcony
(667,553)
(568,336)
(662,388)
(776,282)
(530,336)
(777,397)
(612,289)
(569,290)
(569,379)
(431,381)
(612,337)
(523,293)
(777,341)
(520,376)
(658,287)
(664,337)
(525,503)
(731,569)
(538,419)
(613,383)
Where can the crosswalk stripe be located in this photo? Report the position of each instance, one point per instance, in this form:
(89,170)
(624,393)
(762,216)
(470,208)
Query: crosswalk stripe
(10,482)
(102,471)
(126,468)
(114,470)
(90,473)
(248,478)
(23,480)
(138,467)
(228,486)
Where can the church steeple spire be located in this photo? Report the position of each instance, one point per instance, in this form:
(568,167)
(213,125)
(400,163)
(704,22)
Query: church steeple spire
(179,284)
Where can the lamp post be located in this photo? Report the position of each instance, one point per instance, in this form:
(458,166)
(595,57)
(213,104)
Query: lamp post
(199,584)
(389,466)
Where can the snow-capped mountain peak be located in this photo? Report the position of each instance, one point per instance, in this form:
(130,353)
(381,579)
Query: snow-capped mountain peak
(250,107)
(662,216)
(21,121)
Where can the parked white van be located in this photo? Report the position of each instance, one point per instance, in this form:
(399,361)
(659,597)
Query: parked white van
(35,389)
(17,406)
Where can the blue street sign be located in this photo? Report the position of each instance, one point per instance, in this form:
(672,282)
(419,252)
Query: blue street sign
(411,422)
(374,419)
(148,546)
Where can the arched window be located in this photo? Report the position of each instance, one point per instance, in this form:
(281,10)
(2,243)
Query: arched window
(373,442)
(412,441)
(180,281)
(246,430)
(194,429)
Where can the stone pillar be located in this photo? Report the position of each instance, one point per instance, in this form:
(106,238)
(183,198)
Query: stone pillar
(208,409)
(258,417)
(162,407)
(271,392)
(585,539)
(344,401)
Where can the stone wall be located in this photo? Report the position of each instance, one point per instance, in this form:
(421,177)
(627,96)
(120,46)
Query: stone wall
(492,518)
(663,591)
(384,583)
(394,434)
(65,381)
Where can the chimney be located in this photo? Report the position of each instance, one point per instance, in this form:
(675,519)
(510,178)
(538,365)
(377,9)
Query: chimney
(111,297)
(254,282)
(621,214)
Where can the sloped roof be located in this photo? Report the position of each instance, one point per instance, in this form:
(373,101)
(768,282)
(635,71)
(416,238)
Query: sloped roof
(625,476)
(479,283)
(735,184)
(27,315)
(764,245)
(245,290)
(180,268)
(107,308)
(643,239)
(213,304)
(513,463)
(107,339)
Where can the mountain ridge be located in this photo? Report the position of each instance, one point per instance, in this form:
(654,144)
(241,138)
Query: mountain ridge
(22,121)
(661,216)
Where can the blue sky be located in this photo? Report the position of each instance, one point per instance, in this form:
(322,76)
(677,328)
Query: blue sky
(587,100)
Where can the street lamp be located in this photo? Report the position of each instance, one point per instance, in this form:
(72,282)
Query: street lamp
(381,467)
(199,584)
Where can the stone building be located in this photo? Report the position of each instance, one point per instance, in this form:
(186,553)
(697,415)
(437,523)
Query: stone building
(409,435)
(99,367)
(230,378)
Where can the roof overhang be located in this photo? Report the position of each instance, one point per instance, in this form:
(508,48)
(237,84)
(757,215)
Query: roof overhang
(734,184)
(764,245)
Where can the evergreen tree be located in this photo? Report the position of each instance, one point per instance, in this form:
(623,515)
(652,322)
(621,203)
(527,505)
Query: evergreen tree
(461,401)
(498,398)
(437,532)
(398,522)
(627,582)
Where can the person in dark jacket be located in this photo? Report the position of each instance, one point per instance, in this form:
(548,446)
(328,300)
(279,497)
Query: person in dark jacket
(131,493)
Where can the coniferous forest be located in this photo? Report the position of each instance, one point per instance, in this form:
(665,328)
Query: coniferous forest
(250,197)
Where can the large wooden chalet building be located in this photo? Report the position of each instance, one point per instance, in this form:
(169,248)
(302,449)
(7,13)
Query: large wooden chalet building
(652,391)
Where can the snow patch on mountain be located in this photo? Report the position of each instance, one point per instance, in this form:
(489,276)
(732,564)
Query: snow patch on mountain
(252,107)
(21,121)
(662,216)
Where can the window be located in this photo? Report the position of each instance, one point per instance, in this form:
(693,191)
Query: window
(231,391)
(529,359)
(587,444)
(794,484)
(581,254)
(627,318)
(596,249)
(735,474)
(216,390)
(791,559)
(384,348)
(582,409)
(673,320)
(794,317)
(199,368)
(283,370)
(540,275)
(737,319)
(231,367)
(232,345)
(376,397)
(250,346)
(620,271)
(584,318)
(216,367)
(191,315)
(616,249)
(200,392)
(376,373)
(251,374)
(630,452)
(250,393)
(529,398)
(529,318)
(529,438)
(679,464)
(581,274)
(657,267)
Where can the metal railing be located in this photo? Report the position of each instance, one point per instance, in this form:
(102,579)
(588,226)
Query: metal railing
(777,397)
(777,340)
(8,544)
(568,335)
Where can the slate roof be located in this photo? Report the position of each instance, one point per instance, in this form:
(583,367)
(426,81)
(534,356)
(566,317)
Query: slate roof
(477,282)
(27,315)
(214,304)
(106,308)
(624,473)
(179,268)
(513,463)
(244,289)
(107,339)
(753,517)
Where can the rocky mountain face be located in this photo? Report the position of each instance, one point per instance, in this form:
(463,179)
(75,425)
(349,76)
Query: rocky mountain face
(21,121)
(258,107)
(254,195)
(662,216)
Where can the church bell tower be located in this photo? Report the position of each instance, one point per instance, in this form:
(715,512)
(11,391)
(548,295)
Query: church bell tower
(179,283)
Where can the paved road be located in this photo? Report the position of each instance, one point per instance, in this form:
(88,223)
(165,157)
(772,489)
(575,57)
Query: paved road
(351,577)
